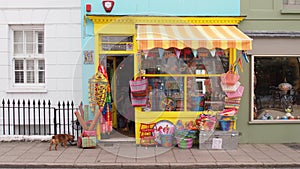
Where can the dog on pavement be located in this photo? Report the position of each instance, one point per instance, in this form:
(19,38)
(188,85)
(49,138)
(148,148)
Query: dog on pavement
(62,139)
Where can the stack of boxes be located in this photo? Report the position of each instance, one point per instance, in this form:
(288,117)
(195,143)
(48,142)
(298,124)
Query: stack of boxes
(87,140)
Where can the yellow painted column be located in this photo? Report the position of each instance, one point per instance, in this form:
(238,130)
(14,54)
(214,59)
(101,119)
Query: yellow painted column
(232,56)
(96,51)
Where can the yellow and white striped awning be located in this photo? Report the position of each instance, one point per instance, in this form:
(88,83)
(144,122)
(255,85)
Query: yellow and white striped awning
(181,36)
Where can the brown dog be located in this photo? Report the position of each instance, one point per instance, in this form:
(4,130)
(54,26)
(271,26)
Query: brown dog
(60,138)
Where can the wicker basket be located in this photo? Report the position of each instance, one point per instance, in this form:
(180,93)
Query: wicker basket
(185,143)
(139,101)
(227,125)
(139,85)
(166,140)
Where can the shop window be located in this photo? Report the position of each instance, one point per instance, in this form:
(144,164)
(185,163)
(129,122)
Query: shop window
(291,4)
(28,55)
(276,88)
(174,74)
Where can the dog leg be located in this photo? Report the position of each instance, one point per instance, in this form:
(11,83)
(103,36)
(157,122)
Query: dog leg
(50,145)
(65,144)
(56,146)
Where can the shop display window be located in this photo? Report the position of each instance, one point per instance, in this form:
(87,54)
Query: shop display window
(184,80)
(275,90)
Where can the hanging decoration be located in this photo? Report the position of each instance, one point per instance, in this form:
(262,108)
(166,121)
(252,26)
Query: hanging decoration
(213,52)
(244,53)
(195,52)
(240,64)
(161,52)
(177,52)
(100,100)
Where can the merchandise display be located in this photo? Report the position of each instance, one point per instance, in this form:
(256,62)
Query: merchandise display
(194,84)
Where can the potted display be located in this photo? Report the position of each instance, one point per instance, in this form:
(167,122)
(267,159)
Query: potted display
(185,135)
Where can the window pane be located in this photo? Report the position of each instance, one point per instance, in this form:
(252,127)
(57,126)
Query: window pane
(291,4)
(19,65)
(277,87)
(30,48)
(18,36)
(40,37)
(30,76)
(18,48)
(19,77)
(29,36)
(41,77)
(41,65)
(40,48)
(40,42)
(29,64)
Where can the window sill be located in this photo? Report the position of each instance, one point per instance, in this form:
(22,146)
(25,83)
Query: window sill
(275,122)
(27,90)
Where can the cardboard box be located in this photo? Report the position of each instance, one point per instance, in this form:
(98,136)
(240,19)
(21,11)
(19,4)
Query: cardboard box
(225,140)
(88,142)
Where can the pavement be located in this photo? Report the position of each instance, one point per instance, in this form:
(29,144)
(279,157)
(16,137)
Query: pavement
(36,154)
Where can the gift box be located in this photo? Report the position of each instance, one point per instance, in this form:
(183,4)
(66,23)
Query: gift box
(87,133)
(88,142)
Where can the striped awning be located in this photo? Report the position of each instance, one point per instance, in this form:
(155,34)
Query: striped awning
(181,36)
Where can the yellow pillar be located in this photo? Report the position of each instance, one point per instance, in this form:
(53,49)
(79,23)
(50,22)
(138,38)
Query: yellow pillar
(232,57)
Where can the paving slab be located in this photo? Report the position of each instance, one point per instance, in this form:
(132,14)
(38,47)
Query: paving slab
(203,156)
(119,155)
(183,155)
(221,156)
(240,156)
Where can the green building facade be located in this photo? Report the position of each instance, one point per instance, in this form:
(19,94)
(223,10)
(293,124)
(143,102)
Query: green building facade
(269,111)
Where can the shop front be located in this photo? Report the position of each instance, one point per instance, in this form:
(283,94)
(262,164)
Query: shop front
(274,86)
(178,62)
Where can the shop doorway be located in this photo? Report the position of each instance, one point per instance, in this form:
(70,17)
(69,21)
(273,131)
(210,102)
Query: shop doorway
(120,71)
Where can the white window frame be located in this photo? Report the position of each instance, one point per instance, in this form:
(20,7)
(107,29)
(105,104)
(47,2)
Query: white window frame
(26,86)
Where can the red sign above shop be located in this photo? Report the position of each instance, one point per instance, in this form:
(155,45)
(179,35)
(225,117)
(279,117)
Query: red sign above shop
(108,5)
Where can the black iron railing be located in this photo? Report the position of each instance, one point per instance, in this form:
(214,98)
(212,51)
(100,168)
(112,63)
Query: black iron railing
(31,117)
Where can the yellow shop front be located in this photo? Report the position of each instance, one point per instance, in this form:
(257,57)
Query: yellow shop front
(181,59)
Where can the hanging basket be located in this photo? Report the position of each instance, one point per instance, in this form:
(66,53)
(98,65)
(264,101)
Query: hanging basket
(138,85)
(229,78)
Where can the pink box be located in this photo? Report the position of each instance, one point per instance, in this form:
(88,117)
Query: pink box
(87,133)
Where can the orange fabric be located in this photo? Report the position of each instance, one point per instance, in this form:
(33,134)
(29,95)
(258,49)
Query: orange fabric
(181,36)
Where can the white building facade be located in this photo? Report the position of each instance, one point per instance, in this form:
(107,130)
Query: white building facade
(40,51)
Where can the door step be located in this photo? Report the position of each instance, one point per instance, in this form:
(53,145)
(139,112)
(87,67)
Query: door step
(118,140)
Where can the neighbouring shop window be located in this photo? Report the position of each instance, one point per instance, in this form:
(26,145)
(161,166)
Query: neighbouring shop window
(28,54)
(291,4)
(172,67)
(276,85)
